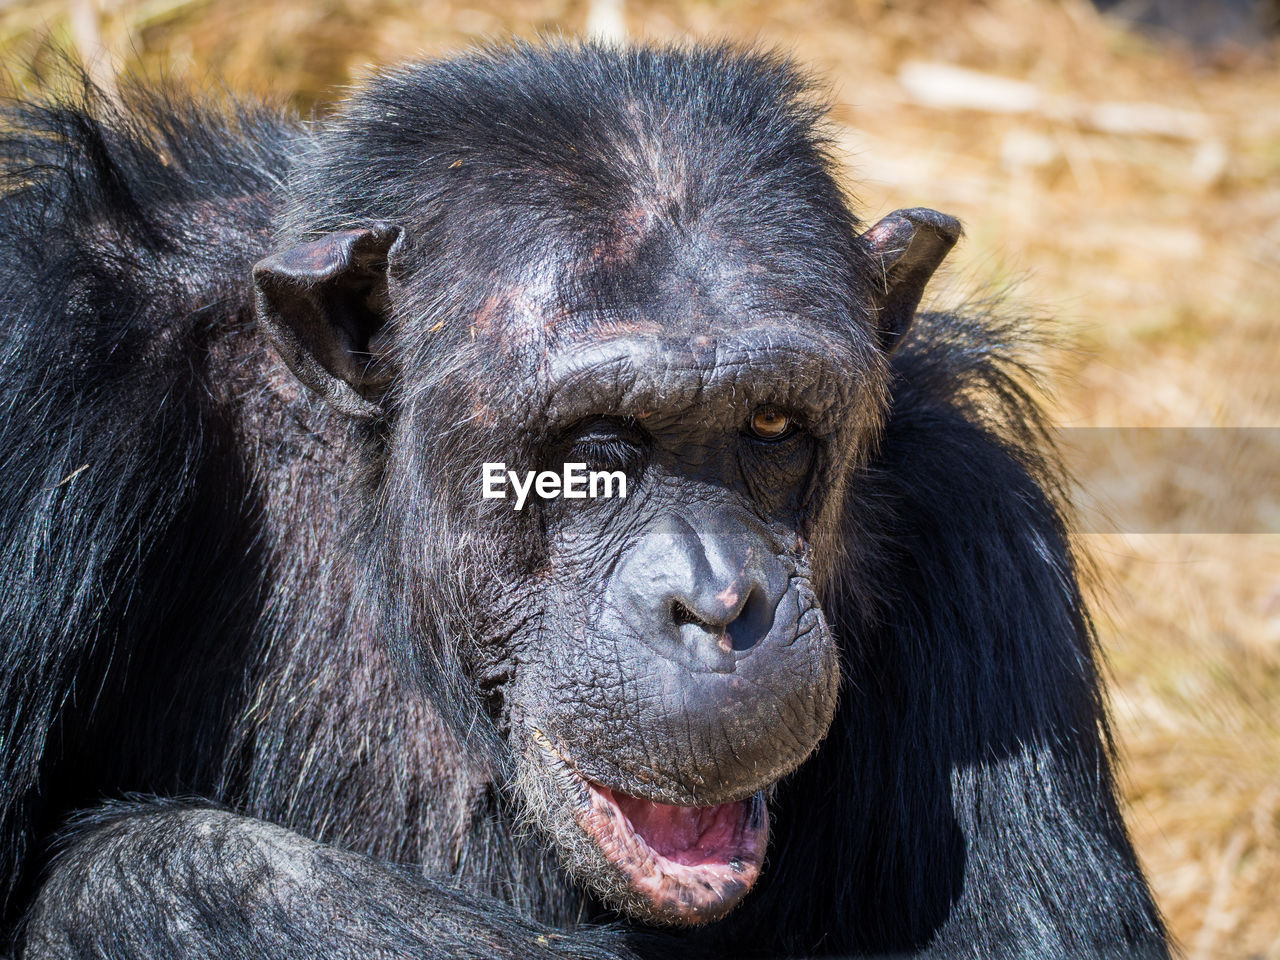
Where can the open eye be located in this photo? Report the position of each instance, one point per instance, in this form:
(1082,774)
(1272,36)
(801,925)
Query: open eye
(770,423)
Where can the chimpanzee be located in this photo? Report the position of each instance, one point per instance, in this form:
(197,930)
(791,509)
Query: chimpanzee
(278,679)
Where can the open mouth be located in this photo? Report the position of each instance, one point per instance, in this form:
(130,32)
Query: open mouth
(689,864)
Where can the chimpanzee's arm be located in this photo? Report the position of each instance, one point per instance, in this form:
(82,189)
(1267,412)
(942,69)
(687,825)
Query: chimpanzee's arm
(165,880)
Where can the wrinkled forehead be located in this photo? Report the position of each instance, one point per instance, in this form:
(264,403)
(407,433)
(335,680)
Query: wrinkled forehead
(697,286)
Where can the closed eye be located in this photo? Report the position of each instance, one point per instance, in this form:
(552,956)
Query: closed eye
(608,443)
(603,454)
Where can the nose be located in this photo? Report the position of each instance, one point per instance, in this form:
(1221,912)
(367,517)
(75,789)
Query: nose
(705,594)
(723,594)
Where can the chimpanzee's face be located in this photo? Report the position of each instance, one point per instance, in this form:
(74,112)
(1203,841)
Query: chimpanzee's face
(669,660)
(680,662)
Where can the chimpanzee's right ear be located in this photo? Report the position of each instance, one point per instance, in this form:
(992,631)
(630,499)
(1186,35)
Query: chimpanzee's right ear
(321,304)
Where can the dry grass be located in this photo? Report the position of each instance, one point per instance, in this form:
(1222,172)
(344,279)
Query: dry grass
(1160,248)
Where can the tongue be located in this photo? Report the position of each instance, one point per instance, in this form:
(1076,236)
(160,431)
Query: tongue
(688,835)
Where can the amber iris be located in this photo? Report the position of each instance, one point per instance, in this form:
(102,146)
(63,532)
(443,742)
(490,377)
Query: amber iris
(770,424)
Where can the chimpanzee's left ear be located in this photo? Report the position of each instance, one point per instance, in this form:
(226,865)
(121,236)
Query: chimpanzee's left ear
(322,303)
(906,246)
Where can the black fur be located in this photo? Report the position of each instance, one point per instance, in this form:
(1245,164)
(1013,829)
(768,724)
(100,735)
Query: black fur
(204,596)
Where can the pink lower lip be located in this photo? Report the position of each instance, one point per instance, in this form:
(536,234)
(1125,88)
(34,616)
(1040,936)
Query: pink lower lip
(692,864)
(687,864)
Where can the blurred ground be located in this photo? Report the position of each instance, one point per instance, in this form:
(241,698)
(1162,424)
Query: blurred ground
(1131,189)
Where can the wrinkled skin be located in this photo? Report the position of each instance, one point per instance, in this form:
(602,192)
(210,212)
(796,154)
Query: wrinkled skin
(700,668)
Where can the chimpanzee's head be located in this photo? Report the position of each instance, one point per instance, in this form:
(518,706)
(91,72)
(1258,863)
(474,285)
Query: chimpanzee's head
(637,261)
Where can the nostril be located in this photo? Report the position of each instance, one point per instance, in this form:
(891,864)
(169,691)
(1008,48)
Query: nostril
(750,625)
(682,615)
(737,630)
